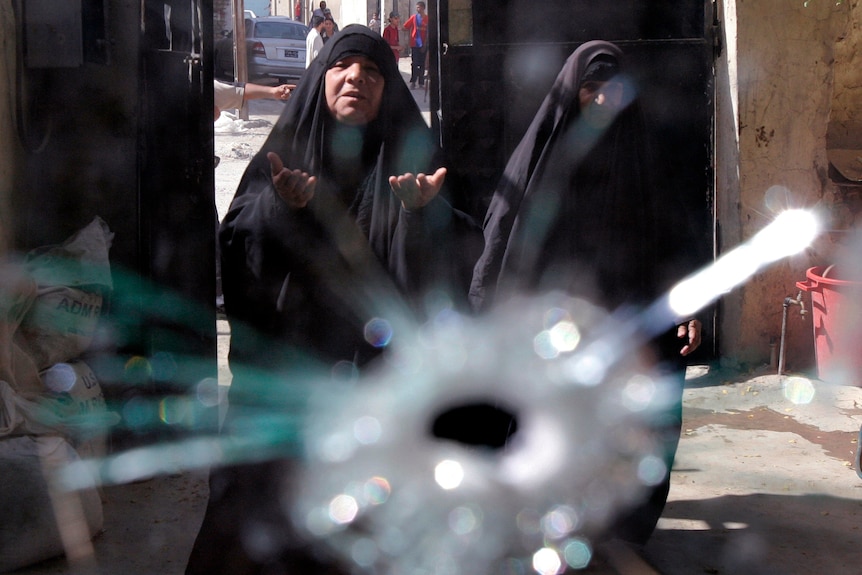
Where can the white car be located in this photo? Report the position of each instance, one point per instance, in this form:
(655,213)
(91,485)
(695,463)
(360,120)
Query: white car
(275,48)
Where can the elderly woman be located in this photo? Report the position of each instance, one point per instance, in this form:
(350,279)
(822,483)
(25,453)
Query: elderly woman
(579,209)
(334,223)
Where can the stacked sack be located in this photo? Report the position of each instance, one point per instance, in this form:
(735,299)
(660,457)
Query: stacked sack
(52,410)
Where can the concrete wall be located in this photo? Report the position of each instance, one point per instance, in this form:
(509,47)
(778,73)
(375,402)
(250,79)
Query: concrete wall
(784,84)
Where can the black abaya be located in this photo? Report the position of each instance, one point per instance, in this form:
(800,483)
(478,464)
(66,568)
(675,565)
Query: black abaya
(580,210)
(301,284)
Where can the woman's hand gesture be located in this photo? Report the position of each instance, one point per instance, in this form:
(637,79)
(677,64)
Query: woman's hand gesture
(416,191)
(295,187)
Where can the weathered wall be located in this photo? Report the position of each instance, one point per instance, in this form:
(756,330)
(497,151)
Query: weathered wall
(786,79)
(845,122)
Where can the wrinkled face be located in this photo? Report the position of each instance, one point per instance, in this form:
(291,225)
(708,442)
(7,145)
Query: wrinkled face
(600,102)
(354,90)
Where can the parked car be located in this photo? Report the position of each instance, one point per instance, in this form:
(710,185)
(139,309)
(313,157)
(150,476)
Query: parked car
(275,48)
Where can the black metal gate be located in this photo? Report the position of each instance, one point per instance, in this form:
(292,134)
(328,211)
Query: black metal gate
(496,60)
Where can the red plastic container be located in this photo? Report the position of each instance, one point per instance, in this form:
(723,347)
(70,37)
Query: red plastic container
(836,309)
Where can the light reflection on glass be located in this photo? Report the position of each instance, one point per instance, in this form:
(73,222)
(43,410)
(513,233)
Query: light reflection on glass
(565,336)
(778,199)
(790,232)
(559,522)
(578,553)
(174,410)
(546,561)
(463,520)
(448,474)
(337,447)
(367,430)
(207,392)
(377,490)
(343,509)
(139,413)
(651,470)
(164,366)
(638,393)
(528,521)
(318,522)
(378,332)
(137,370)
(364,552)
(588,368)
(59,378)
(544,346)
(799,390)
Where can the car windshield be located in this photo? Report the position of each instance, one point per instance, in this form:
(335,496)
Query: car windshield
(279,30)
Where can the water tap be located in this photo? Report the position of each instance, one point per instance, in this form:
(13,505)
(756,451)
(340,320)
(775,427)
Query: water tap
(798,301)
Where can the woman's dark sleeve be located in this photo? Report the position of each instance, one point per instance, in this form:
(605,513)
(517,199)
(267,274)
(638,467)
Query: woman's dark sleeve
(258,238)
(435,248)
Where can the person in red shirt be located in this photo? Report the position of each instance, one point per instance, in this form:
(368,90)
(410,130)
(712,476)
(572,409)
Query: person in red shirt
(418,26)
(390,34)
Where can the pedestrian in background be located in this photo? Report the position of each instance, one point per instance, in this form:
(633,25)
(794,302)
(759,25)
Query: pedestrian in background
(374,23)
(417,24)
(314,40)
(321,11)
(329,27)
(390,34)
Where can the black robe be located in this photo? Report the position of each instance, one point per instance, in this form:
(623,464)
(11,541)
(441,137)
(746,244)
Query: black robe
(300,285)
(583,211)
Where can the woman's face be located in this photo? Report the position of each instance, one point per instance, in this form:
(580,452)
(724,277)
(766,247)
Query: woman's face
(600,102)
(354,90)
(328,27)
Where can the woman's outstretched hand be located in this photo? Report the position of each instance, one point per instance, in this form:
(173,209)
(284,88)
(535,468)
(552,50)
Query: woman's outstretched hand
(416,191)
(295,187)
(690,333)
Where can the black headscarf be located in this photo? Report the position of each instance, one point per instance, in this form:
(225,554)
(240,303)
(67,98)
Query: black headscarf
(396,142)
(577,208)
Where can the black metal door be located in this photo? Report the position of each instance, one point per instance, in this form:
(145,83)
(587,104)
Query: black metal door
(176,193)
(496,60)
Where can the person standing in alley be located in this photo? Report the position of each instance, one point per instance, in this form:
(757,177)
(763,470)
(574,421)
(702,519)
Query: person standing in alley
(374,23)
(417,24)
(313,41)
(581,209)
(329,27)
(321,11)
(390,34)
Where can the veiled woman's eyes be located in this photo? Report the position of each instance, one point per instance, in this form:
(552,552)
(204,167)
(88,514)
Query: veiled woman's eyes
(368,67)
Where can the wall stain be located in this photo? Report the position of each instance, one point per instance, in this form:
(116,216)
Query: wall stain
(762,137)
(840,445)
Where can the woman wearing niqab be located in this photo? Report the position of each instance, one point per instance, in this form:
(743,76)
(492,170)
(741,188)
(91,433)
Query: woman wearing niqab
(333,223)
(579,210)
